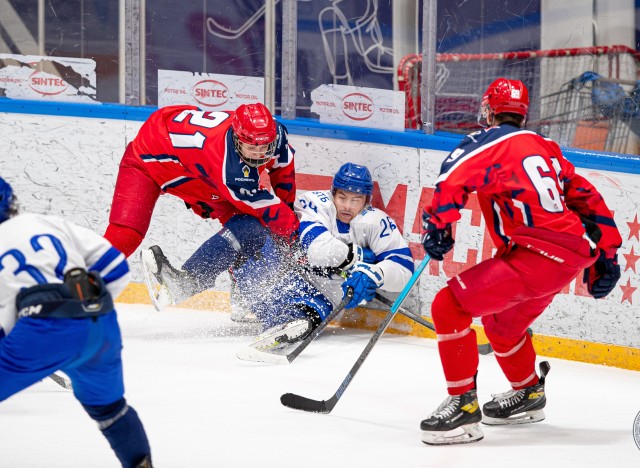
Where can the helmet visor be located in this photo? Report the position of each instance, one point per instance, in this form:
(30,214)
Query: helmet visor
(255,155)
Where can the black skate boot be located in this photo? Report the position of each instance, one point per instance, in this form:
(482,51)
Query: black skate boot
(282,335)
(454,422)
(287,333)
(167,285)
(522,406)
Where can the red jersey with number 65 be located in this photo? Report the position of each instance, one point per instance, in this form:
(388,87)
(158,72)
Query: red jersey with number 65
(522,179)
(189,153)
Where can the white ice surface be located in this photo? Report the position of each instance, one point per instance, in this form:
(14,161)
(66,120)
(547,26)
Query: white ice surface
(202,407)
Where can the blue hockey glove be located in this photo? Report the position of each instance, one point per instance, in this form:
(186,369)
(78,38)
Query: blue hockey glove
(355,255)
(365,279)
(436,242)
(602,276)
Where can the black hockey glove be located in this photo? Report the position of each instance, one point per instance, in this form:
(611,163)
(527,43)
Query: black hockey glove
(355,255)
(602,276)
(436,242)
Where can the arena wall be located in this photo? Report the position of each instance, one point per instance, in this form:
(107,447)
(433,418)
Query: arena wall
(63,160)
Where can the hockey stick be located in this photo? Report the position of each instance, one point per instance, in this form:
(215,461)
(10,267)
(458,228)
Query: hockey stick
(252,354)
(482,348)
(62,381)
(298,402)
(406,313)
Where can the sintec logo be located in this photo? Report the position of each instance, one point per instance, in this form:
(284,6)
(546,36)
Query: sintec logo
(47,84)
(357,106)
(210,93)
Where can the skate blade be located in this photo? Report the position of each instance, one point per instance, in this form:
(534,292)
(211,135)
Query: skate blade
(281,335)
(255,355)
(159,294)
(528,417)
(461,435)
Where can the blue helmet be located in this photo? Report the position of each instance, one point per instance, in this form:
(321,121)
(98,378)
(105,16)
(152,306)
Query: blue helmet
(7,208)
(353,178)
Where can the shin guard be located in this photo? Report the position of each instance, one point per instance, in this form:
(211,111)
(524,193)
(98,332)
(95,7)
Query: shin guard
(122,427)
(516,358)
(456,342)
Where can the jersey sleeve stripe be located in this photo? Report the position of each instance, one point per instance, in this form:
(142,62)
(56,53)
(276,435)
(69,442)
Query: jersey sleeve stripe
(117,273)
(603,220)
(401,257)
(161,158)
(310,232)
(106,259)
(405,252)
(175,182)
(112,265)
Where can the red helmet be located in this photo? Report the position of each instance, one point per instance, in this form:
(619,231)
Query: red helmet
(253,124)
(505,95)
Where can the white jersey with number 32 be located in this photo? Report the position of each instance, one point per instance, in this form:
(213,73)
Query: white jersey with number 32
(39,249)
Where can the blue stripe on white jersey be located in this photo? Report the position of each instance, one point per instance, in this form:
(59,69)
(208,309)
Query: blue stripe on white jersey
(112,265)
(118,272)
(310,231)
(400,256)
(161,158)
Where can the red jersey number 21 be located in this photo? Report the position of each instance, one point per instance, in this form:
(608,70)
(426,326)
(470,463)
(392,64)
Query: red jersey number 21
(196,118)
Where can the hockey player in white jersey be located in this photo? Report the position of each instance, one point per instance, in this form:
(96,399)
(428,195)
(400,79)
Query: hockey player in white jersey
(343,235)
(347,244)
(57,283)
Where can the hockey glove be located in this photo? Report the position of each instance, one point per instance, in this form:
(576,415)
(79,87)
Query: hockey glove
(436,242)
(365,279)
(355,255)
(602,276)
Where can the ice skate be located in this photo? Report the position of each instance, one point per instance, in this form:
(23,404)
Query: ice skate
(166,285)
(454,422)
(282,335)
(522,406)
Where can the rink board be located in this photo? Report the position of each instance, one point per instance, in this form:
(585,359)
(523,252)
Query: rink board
(67,164)
(369,319)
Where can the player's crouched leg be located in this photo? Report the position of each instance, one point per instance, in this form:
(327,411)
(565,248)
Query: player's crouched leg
(123,429)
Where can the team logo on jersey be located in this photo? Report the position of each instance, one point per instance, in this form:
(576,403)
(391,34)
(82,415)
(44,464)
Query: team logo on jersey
(357,106)
(47,84)
(210,93)
(245,172)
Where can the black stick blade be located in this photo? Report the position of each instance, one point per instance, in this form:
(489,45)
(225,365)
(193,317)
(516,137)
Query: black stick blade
(297,402)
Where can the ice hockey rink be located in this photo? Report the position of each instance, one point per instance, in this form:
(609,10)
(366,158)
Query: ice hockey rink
(202,407)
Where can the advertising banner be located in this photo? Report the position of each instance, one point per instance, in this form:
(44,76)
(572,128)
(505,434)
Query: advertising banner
(48,78)
(208,91)
(359,107)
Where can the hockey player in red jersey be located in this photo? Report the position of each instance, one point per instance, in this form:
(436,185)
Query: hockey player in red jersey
(212,161)
(548,224)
